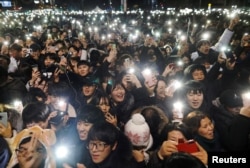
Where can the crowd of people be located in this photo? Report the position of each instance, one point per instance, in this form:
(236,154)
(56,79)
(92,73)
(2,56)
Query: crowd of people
(136,91)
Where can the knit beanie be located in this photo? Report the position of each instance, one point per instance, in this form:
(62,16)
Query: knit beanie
(137,130)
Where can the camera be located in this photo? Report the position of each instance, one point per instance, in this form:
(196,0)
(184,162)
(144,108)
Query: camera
(58,118)
(188,147)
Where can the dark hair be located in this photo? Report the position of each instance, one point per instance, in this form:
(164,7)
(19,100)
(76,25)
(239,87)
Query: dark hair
(157,122)
(202,42)
(123,57)
(108,133)
(90,114)
(16,47)
(159,78)
(60,89)
(105,132)
(112,86)
(74,47)
(97,98)
(193,121)
(83,62)
(180,160)
(52,56)
(35,112)
(178,127)
(195,86)
(35,47)
(191,68)
(32,95)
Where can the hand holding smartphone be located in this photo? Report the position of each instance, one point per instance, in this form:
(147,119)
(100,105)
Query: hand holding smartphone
(189,146)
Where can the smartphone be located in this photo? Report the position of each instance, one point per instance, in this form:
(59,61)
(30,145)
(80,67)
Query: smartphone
(189,146)
(4,118)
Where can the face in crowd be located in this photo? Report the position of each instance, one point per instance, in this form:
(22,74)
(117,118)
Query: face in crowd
(195,99)
(83,129)
(198,75)
(118,94)
(204,48)
(206,128)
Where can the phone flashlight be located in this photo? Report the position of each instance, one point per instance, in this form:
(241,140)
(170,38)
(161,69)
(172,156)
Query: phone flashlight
(147,71)
(61,103)
(131,70)
(178,106)
(177,84)
(61,152)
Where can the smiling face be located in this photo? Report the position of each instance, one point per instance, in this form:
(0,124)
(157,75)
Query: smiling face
(206,128)
(195,99)
(118,94)
(88,90)
(100,151)
(83,129)
(160,91)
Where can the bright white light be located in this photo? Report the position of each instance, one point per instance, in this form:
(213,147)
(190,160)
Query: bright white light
(61,103)
(131,70)
(205,36)
(247,95)
(61,152)
(146,71)
(178,105)
(183,37)
(157,34)
(17,103)
(177,84)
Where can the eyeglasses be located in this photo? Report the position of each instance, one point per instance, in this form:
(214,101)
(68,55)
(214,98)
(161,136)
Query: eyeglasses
(100,146)
(22,150)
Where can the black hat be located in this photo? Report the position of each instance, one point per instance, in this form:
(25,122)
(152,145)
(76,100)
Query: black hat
(231,98)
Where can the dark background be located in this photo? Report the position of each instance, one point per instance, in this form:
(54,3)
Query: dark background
(132,4)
